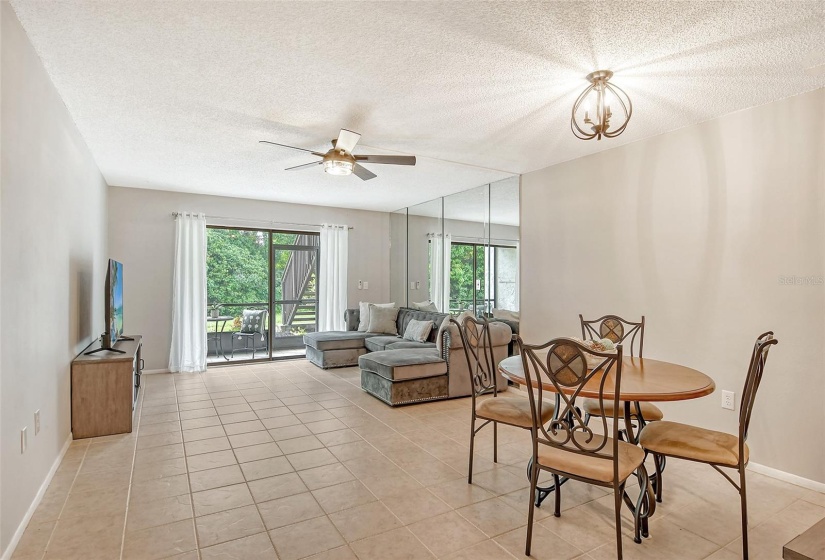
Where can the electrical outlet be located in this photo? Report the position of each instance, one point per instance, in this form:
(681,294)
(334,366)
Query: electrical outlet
(366,285)
(417,285)
(727,400)
(23,440)
(37,421)
(360,285)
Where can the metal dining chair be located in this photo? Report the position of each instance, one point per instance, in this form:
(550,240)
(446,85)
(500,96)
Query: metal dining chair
(569,448)
(717,449)
(618,331)
(487,406)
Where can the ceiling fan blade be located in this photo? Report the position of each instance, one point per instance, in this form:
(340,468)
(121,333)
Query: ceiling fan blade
(363,173)
(347,140)
(304,165)
(293,147)
(392,160)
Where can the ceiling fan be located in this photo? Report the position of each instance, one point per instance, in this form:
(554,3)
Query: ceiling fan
(341,161)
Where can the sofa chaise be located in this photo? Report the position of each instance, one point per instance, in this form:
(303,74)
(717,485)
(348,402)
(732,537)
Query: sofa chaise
(399,371)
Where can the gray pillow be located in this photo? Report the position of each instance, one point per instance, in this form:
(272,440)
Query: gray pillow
(418,331)
(253,321)
(424,306)
(382,319)
(364,313)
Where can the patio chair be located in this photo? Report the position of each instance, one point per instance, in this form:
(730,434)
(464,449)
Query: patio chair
(253,324)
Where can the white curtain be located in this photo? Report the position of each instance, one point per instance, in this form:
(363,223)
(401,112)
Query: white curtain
(440,246)
(188,351)
(332,278)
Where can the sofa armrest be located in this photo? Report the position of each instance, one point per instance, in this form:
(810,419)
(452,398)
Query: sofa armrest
(351,319)
(514,325)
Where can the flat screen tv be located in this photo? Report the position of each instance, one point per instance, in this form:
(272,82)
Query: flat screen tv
(114,304)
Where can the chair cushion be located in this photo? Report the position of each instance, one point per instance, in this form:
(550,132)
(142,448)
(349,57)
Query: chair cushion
(336,340)
(650,411)
(380,342)
(511,410)
(397,365)
(691,442)
(589,466)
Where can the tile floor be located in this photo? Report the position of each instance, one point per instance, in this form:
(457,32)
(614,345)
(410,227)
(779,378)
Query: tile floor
(284,460)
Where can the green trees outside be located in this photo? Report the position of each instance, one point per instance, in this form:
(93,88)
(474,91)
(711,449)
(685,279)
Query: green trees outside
(237,266)
(462,281)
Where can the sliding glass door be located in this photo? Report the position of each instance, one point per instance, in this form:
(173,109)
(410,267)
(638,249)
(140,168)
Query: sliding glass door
(294,291)
(262,290)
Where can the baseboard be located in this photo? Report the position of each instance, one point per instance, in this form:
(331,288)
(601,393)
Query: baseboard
(153,371)
(18,534)
(788,477)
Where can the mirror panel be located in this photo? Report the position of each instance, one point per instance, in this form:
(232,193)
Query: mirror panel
(398,257)
(461,251)
(425,228)
(503,271)
(467,231)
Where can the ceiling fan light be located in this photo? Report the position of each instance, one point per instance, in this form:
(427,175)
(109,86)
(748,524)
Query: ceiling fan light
(338,167)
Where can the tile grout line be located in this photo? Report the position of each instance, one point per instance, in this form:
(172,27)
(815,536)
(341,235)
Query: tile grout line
(139,411)
(186,466)
(60,513)
(246,482)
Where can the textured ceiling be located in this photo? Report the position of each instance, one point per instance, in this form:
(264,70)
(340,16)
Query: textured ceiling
(175,95)
(496,203)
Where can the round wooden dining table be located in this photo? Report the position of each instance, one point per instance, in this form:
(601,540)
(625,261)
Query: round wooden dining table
(643,379)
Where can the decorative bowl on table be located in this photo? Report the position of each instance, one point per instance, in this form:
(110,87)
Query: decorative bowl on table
(604,345)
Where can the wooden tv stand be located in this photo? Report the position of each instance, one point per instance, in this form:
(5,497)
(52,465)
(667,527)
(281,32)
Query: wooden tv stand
(105,389)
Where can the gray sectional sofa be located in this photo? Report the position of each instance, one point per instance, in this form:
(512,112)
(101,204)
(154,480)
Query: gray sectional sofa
(399,371)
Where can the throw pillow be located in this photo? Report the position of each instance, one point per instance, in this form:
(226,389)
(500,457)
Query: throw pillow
(253,321)
(364,313)
(418,331)
(505,314)
(382,319)
(425,306)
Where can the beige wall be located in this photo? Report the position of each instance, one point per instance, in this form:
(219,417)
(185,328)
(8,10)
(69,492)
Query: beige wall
(52,263)
(142,237)
(694,229)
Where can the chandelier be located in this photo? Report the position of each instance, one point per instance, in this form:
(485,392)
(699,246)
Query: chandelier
(595,102)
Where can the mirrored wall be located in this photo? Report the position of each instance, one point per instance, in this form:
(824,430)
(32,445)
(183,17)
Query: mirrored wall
(460,252)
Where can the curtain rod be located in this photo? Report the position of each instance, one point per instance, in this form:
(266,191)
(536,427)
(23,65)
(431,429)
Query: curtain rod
(270,222)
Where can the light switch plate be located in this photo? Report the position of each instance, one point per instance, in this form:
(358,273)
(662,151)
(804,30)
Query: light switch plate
(412,285)
(37,421)
(366,285)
